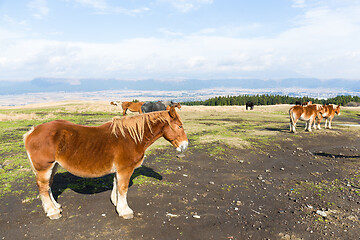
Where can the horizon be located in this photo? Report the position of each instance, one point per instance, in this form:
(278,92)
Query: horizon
(171,40)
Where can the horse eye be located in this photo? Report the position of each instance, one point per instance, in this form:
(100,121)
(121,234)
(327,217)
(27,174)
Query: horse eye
(180,126)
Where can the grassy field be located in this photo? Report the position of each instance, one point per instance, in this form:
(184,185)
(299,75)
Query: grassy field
(222,133)
(231,125)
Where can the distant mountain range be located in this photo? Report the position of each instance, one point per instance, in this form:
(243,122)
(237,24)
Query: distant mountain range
(90,85)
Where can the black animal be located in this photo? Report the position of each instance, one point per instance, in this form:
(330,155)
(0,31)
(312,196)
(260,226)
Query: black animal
(249,105)
(153,107)
(298,103)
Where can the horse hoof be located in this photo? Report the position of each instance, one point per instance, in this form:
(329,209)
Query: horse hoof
(128,216)
(55,216)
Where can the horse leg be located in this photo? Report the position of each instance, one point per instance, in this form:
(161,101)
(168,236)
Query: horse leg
(43,178)
(310,121)
(122,208)
(114,192)
(124,111)
(330,120)
(57,205)
(293,126)
(319,121)
(326,123)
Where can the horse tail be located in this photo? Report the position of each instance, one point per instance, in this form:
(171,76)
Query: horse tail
(292,121)
(25,136)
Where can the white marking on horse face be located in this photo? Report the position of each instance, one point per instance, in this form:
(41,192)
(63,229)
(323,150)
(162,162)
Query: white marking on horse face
(182,147)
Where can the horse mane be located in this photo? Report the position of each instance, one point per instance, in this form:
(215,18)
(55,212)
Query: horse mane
(135,125)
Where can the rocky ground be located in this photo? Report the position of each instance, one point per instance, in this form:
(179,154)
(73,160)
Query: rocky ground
(301,186)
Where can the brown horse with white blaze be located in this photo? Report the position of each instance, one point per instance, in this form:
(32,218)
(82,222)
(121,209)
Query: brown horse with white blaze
(116,147)
(306,113)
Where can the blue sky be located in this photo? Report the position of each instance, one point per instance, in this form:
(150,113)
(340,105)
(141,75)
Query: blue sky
(179,39)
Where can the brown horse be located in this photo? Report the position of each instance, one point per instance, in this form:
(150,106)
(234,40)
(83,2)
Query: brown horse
(116,147)
(175,104)
(328,113)
(132,106)
(307,113)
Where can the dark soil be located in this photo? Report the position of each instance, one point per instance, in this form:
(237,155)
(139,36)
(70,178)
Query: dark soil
(276,191)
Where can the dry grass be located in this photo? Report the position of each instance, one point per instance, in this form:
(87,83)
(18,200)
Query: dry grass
(13,116)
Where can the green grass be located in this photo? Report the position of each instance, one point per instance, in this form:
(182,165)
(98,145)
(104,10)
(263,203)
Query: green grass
(222,129)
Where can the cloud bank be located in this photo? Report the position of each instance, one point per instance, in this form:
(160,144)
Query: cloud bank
(322,42)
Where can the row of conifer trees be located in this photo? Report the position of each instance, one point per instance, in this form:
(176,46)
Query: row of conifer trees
(267,99)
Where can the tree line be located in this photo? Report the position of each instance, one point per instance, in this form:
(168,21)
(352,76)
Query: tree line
(267,99)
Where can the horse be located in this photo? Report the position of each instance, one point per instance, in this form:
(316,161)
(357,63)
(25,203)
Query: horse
(132,106)
(249,105)
(115,103)
(158,106)
(153,107)
(307,113)
(298,103)
(306,103)
(328,113)
(117,146)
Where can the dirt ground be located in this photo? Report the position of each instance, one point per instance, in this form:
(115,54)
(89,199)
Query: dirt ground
(303,187)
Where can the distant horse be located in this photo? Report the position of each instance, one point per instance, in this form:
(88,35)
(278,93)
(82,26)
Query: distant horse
(298,103)
(328,113)
(117,147)
(306,103)
(307,113)
(132,106)
(173,104)
(115,103)
(153,107)
(249,105)
(158,106)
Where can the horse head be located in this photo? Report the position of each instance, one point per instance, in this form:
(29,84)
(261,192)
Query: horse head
(174,131)
(337,110)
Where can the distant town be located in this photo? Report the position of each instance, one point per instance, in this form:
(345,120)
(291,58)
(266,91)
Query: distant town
(179,96)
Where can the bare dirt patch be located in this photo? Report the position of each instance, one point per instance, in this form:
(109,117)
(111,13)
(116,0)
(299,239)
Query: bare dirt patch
(293,186)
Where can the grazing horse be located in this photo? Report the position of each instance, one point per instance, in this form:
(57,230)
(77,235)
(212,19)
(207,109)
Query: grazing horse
(307,113)
(328,113)
(153,107)
(115,103)
(132,106)
(298,103)
(116,147)
(249,105)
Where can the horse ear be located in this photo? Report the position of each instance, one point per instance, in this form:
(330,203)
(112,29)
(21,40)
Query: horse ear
(172,112)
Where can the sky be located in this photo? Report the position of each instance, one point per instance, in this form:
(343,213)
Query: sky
(179,39)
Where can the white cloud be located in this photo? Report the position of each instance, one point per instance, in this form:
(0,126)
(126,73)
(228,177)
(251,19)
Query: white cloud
(168,33)
(187,5)
(39,8)
(298,3)
(323,43)
(12,21)
(102,7)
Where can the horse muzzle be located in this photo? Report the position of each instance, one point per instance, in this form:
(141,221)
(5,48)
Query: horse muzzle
(183,146)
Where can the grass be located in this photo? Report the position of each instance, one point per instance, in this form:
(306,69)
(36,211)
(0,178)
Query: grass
(222,127)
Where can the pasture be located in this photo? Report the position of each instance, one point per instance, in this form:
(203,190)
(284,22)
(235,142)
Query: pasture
(244,176)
